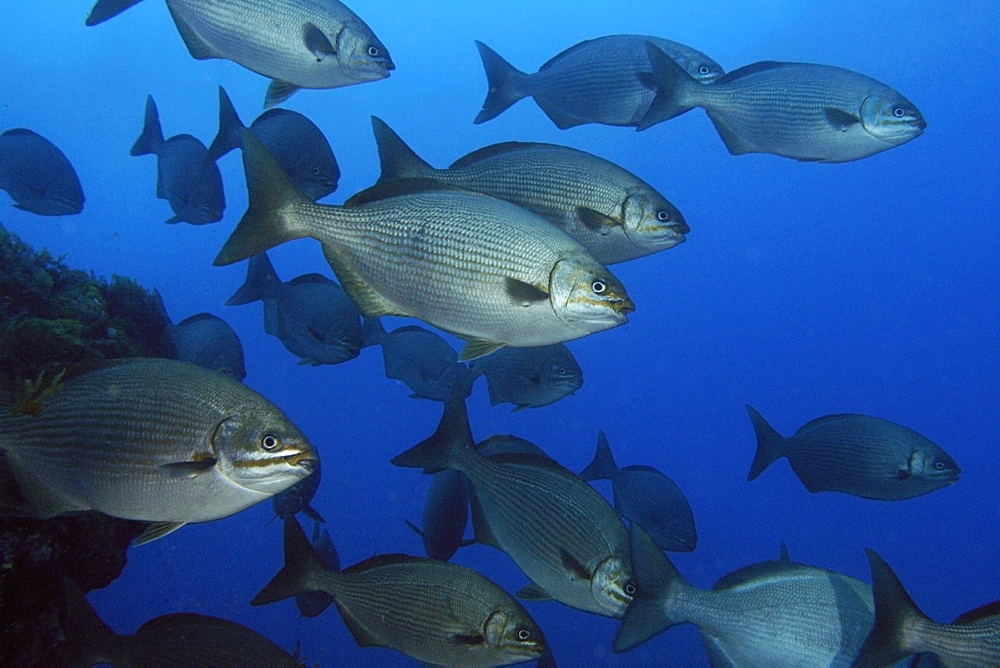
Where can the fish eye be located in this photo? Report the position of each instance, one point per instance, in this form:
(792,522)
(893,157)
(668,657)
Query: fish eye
(373,51)
(523,634)
(315,171)
(599,286)
(703,69)
(630,589)
(663,215)
(939,465)
(898,112)
(270,442)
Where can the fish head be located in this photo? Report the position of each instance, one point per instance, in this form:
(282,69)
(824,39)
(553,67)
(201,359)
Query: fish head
(315,173)
(651,221)
(612,587)
(700,68)
(263,451)
(587,296)
(891,118)
(514,636)
(362,56)
(934,466)
(562,374)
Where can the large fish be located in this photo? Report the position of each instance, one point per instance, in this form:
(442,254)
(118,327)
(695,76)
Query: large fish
(296,43)
(433,611)
(192,186)
(530,377)
(314,603)
(902,629)
(647,497)
(156,440)
(604,80)
(486,270)
(798,110)
(560,532)
(856,454)
(209,341)
(37,175)
(292,139)
(776,614)
(616,215)
(421,359)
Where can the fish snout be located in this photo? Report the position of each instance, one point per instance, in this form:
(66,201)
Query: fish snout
(306,460)
(623,306)
(680,227)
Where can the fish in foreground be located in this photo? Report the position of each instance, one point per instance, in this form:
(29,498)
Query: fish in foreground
(311,315)
(483,269)
(292,139)
(209,341)
(902,629)
(433,611)
(856,454)
(530,377)
(815,113)
(37,175)
(616,215)
(153,439)
(192,186)
(645,496)
(419,358)
(295,43)
(775,613)
(559,531)
(604,80)
(314,603)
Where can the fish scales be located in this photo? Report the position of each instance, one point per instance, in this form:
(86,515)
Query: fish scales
(975,643)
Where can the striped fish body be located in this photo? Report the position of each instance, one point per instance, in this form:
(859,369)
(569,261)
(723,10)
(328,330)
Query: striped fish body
(154,440)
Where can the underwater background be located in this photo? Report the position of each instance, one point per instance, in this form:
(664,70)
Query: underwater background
(803,289)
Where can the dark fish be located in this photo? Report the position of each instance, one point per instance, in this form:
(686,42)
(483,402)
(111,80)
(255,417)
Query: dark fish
(775,613)
(296,43)
(646,497)
(419,358)
(433,611)
(209,341)
(616,215)
(37,175)
(530,377)
(559,531)
(798,110)
(314,603)
(192,186)
(605,80)
(856,454)
(295,142)
(296,499)
(902,629)
(312,315)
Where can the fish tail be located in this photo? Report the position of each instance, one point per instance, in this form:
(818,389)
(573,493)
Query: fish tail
(230,125)
(603,467)
(261,282)
(505,84)
(272,194)
(443,450)
(152,135)
(372,332)
(106,9)
(894,612)
(396,158)
(671,82)
(297,575)
(769,443)
(88,639)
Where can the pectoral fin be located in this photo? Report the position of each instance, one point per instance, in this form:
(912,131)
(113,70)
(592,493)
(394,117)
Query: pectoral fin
(573,565)
(840,120)
(478,348)
(595,221)
(523,293)
(190,469)
(317,43)
(464,639)
(532,592)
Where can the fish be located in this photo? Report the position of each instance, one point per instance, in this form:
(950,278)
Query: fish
(901,629)
(314,603)
(647,497)
(530,377)
(191,186)
(298,497)
(559,531)
(616,215)
(311,315)
(37,175)
(295,142)
(812,113)
(152,439)
(418,357)
(489,271)
(208,340)
(436,612)
(605,80)
(295,43)
(856,454)
(775,613)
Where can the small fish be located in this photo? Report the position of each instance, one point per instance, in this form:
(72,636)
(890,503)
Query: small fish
(604,80)
(191,186)
(530,377)
(433,611)
(296,499)
(616,215)
(295,142)
(37,175)
(856,454)
(815,113)
(646,497)
(314,603)
(209,341)
(489,271)
(311,315)
(902,629)
(296,43)
(419,358)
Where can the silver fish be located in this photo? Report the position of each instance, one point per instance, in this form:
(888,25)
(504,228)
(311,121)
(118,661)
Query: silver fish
(530,377)
(489,271)
(37,175)
(616,215)
(809,112)
(209,341)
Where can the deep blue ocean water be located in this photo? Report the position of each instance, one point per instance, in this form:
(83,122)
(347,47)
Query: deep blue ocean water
(804,289)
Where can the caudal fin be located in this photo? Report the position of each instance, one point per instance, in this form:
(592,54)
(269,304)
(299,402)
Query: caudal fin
(603,467)
(894,612)
(261,283)
(672,81)
(230,129)
(398,160)
(297,576)
(506,84)
(452,437)
(152,135)
(769,443)
(106,9)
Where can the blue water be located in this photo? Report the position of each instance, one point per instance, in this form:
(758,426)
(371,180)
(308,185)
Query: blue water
(804,289)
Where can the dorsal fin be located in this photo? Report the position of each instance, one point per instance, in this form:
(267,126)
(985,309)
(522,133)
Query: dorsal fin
(398,188)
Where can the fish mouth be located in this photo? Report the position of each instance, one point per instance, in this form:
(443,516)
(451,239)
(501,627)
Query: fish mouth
(623,306)
(305,460)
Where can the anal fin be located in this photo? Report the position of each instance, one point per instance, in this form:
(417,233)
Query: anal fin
(369,302)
